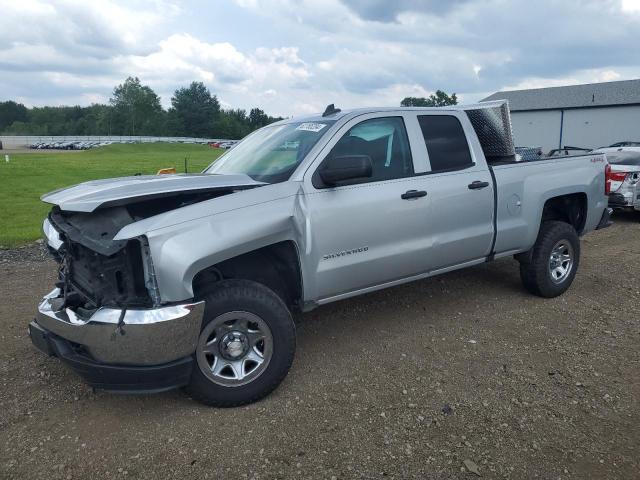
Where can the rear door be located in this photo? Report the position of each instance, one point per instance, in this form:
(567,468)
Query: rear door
(461,191)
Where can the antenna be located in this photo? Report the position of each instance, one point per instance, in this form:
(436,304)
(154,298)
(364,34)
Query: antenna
(330,110)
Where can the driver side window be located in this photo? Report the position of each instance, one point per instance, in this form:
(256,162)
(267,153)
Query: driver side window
(385,141)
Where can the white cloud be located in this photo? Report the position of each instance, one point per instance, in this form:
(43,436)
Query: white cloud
(463,45)
(607,76)
(631,5)
(229,72)
(579,77)
(96,28)
(290,57)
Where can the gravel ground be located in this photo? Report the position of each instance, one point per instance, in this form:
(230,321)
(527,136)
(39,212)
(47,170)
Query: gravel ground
(412,382)
(35,252)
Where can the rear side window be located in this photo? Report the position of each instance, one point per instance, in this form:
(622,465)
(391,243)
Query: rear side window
(446,142)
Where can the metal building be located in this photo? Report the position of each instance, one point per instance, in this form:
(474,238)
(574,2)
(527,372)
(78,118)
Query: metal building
(589,116)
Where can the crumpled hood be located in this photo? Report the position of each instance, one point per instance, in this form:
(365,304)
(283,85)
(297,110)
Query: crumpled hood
(88,196)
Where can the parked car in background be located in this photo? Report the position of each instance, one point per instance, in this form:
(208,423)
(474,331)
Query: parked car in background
(625,144)
(567,150)
(625,176)
(63,144)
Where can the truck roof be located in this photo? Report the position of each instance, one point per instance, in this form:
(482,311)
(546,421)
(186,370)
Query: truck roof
(318,117)
(490,120)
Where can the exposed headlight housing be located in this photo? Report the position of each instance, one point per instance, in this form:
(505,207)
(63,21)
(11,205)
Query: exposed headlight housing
(52,235)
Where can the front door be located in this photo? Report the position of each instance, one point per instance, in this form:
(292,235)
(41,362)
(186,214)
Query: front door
(370,231)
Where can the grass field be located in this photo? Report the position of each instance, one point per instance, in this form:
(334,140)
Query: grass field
(29,175)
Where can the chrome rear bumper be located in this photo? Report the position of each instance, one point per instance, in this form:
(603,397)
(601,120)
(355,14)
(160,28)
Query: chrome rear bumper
(140,337)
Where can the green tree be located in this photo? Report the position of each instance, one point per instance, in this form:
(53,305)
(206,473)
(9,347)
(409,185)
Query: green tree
(12,112)
(136,109)
(19,128)
(440,99)
(257,118)
(233,123)
(194,111)
(97,119)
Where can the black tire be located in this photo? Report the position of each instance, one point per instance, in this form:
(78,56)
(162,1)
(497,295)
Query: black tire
(535,269)
(247,296)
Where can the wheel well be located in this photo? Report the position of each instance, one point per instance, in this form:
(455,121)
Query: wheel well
(276,266)
(570,208)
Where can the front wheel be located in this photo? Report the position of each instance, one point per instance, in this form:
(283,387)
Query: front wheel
(553,262)
(246,345)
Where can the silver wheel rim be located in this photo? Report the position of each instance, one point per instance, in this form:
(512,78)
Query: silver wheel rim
(561,261)
(234,348)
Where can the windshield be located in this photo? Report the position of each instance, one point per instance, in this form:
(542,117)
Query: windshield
(272,153)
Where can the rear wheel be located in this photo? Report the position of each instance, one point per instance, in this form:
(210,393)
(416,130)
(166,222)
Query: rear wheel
(553,262)
(246,345)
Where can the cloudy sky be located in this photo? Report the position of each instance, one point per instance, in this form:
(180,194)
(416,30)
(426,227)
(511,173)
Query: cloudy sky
(291,57)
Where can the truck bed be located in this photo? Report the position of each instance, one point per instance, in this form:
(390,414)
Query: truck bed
(511,160)
(522,188)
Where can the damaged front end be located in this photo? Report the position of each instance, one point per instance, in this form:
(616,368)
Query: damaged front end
(104,319)
(96,271)
(105,313)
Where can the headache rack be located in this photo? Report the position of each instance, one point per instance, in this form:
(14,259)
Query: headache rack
(492,124)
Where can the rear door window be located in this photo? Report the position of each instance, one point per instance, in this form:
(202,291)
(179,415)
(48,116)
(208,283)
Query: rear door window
(446,142)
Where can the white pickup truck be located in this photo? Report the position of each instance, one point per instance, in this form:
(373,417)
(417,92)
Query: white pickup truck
(625,175)
(191,280)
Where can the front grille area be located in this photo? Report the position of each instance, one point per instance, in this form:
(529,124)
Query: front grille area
(96,270)
(116,280)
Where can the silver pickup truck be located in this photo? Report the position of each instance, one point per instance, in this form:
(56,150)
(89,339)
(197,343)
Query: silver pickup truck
(191,280)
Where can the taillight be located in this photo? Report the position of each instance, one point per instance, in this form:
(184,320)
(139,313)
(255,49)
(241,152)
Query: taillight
(618,176)
(613,180)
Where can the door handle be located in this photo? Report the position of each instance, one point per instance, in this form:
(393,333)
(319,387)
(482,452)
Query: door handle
(477,185)
(409,194)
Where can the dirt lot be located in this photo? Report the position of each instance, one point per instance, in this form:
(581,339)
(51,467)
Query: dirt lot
(404,383)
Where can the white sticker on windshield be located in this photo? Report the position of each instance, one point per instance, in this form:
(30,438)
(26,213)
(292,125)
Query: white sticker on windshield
(311,127)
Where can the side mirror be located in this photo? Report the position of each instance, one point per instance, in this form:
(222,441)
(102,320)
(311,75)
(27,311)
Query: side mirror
(345,167)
